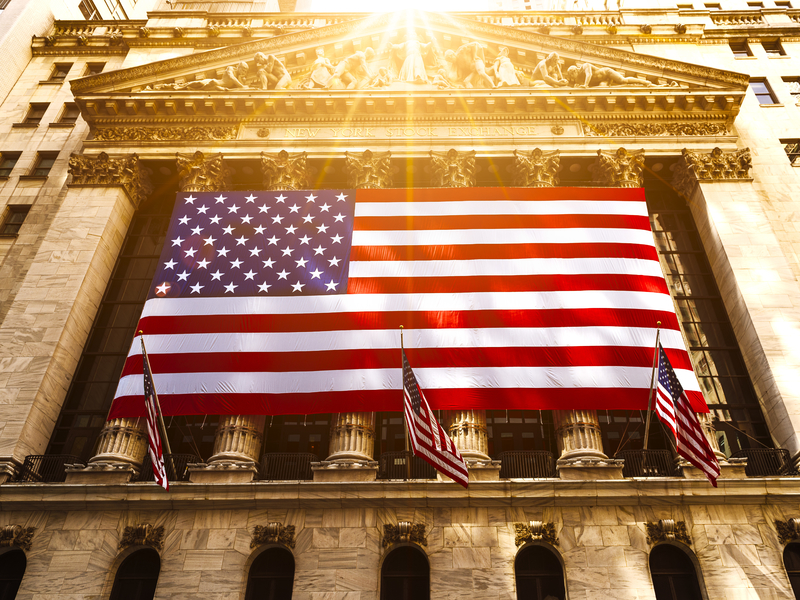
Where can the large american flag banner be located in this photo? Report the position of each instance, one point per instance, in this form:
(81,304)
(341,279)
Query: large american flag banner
(290,302)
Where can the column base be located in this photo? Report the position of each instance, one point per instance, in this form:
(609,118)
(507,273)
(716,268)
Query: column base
(8,470)
(733,468)
(100,473)
(223,472)
(345,470)
(589,468)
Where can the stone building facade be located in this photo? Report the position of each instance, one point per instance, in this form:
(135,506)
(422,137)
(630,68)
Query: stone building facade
(696,103)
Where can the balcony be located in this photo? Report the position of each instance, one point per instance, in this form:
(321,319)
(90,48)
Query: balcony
(50,468)
(394,465)
(287,466)
(176,467)
(648,463)
(767,462)
(527,465)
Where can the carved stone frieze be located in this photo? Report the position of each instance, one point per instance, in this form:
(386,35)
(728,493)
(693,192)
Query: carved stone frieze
(453,168)
(200,174)
(713,166)
(788,530)
(284,171)
(165,134)
(404,531)
(17,535)
(370,170)
(273,533)
(143,534)
(537,169)
(655,129)
(535,531)
(620,168)
(101,170)
(667,530)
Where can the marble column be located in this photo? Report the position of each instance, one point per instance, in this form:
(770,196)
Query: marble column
(122,441)
(238,438)
(711,435)
(578,434)
(352,436)
(467,429)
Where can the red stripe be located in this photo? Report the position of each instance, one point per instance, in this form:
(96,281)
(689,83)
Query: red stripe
(509,283)
(449,222)
(332,360)
(469,319)
(391,400)
(500,252)
(500,193)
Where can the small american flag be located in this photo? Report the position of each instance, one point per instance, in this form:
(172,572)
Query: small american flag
(428,439)
(153,437)
(674,410)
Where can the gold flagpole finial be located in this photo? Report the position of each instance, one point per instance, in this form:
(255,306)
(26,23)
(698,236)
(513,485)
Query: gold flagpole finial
(141,332)
(401,337)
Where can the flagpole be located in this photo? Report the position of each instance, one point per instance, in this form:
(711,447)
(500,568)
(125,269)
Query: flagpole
(158,404)
(405,423)
(650,396)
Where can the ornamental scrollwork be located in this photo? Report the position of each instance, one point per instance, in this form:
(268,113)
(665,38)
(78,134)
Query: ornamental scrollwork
(273,533)
(102,170)
(200,174)
(143,534)
(165,134)
(655,129)
(370,170)
(667,530)
(17,535)
(535,531)
(404,531)
(453,169)
(284,171)
(537,169)
(621,168)
(718,165)
(788,530)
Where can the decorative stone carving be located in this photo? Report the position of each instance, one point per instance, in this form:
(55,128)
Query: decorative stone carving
(352,70)
(680,28)
(17,535)
(505,74)
(611,30)
(178,32)
(667,530)
(535,531)
(714,166)
(408,61)
(655,129)
(589,75)
(577,29)
(101,170)
(273,533)
(369,170)
(121,441)
(272,73)
(549,71)
(646,29)
(212,30)
(538,169)
(144,32)
(143,534)
(238,438)
(165,134)
(233,78)
(284,171)
(352,436)
(453,168)
(404,531)
(321,72)
(578,434)
(788,530)
(467,66)
(198,174)
(620,169)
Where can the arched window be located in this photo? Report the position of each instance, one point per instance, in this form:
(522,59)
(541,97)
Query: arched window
(539,575)
(271,576)
(674,575)
(137,576)
(791,560)
(12,568)
(405,575)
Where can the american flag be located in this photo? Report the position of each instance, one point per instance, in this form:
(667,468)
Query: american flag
(675,411)
(151,418)
(289,302)
(428,439)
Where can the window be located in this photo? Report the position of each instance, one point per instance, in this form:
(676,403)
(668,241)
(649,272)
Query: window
(755,4)
(137,576)
(60,71)
(117,12)
(94,68)
(12,569)
(674,575)
(712,6)
(35,113)
(89,10)
(70,113)
(405,575)
(4,4)
(686,6)
(15,216)
(783,4)
(792,149)
(271,576)
(762,91)
(793,83)
(44,162)
(740,48)
(539,574)
(773,48)
(791,560)
(7,162)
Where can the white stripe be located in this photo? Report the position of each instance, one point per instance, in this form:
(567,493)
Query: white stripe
(518,266)
(458,237)
(346,303)
(500,207)
(303,382)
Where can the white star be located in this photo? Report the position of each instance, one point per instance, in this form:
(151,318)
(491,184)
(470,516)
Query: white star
(304,239)
(250,198)
(220,199)
(202,209)
(241,241)
(277,219)
(183,276)
(337,239)
(310,198)
(264,287)
(319,250)
(215,219)
(190,252)
(280,198)
(287,251)
(236,263)
(163,288)
(177,241)
(184,220)
(294,208)
(315,274)
(301,263)
(273,241)
(334,262)
(203,264)
(322,229)
(325,207)
(247,219)
(263,208)
(232,209)
(249,275)
(268,263)
(340,198)
(190,199)
(308,219)
(230,287)
(283,274)
(255,251)
(196,288)
(339,218)
(197,230)
(223,252)
(228,230)
(170,264)
(291,229)
(260,229)
(209,241)
(298,287)
(216,276)
(331,286)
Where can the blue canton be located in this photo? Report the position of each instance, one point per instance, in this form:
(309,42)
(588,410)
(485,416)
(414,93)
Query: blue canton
(667,377)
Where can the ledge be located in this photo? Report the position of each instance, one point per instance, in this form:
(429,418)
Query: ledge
(62,125)
(48,82)
(33,177)
(25,125)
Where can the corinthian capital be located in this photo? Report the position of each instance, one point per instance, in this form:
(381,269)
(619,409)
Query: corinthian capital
(101,170)
(621,168)
(284,171)
(538,169)
(369,170)
(200,174)
(712,166)
(453,169)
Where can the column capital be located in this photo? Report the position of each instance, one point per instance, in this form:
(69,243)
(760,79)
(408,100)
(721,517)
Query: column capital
(716,165)
(102,170)
(284,171)
(200,174)
(620,168)
(537,169)
(370,170)
(453,168)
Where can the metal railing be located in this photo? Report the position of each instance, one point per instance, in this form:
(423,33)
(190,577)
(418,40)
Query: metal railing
(176,465)
(46,468)
(287,466)
(527,464)
(647,463)
(767,462)
(394,465)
